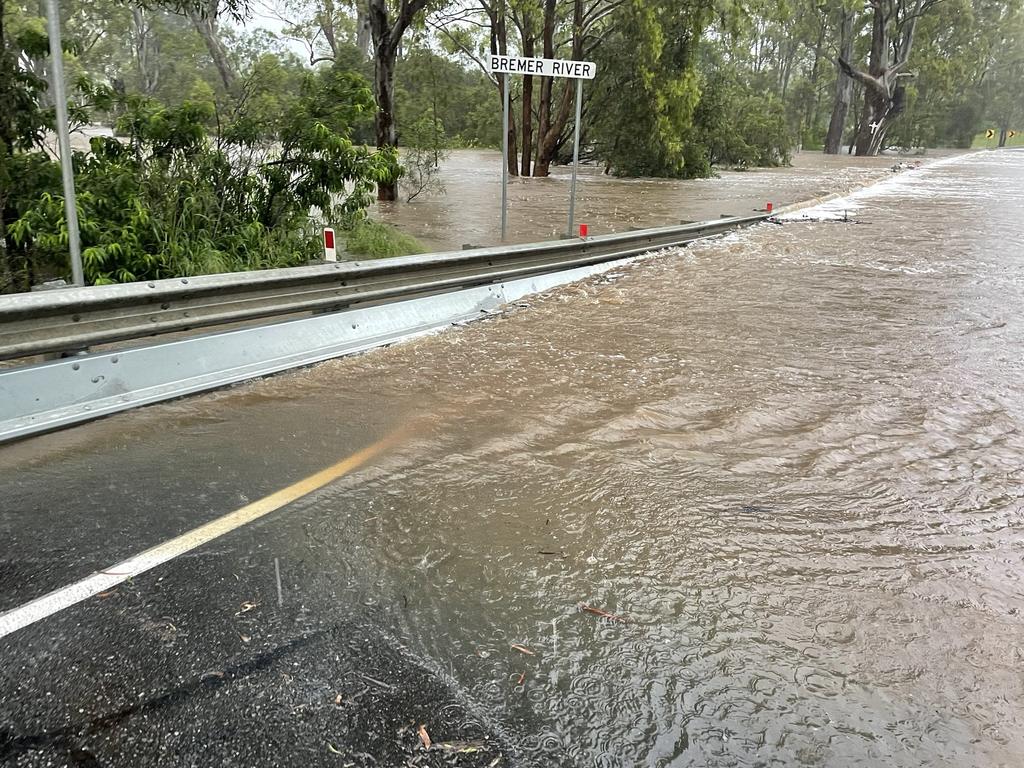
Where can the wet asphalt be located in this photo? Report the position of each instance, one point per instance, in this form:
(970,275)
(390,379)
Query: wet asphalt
(203,661)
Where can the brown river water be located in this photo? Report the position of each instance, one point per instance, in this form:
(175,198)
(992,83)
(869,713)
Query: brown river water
(789,460)
(469,209)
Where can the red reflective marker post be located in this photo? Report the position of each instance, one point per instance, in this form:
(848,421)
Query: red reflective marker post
(330,253)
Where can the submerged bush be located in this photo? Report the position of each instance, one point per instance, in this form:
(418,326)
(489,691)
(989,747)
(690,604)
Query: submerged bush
(375,240)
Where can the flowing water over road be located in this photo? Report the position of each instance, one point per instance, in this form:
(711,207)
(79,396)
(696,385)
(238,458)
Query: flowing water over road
(789,460)
(793,460)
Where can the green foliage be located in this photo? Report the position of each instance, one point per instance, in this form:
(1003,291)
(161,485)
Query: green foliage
(462,100)
(737,126)
(645,100)
(167,201)
(426,148)
(372,239)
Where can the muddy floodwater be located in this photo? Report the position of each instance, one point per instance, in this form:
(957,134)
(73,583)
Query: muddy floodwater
(792,460)
(756,502)
(469,210)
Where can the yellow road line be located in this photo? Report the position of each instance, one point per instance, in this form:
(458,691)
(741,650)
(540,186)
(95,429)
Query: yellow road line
(109,577)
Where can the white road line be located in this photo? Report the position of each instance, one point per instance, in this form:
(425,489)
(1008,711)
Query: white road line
(101,581)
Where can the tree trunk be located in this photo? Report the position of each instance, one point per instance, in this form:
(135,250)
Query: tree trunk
(363,35)
(1003,133)
(326,20)
(528,52)
(547,36)
(548,138)
(876,94)
(844,87)
(867,125)
(384,92)
(206,25)
(499,46)
(387,38)
(814,109)
(883,98)
(147,50)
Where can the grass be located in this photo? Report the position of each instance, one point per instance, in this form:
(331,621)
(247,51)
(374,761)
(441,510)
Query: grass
(374,240)
(980,142)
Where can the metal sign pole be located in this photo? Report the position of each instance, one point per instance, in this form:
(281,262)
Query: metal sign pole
(504,161)
(64,138)
(575,153)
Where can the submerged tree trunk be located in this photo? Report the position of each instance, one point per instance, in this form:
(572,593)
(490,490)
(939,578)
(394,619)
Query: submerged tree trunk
(387,37)
(814,108)
(892,37)
(550,133)
(205,22)
(499,46)
(527,106)
(844,87)
(384,124)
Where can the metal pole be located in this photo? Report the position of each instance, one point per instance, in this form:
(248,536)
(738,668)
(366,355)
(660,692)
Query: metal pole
(504,162)
(64,138)
(575,153)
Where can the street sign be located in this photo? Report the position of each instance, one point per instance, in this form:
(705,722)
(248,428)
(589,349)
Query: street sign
(990,134)
(521,65)
(518,65)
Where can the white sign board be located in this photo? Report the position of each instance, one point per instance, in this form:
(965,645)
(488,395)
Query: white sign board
(517,65)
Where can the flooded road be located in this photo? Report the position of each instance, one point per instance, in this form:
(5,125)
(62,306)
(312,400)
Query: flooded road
(469,211)
(787,463)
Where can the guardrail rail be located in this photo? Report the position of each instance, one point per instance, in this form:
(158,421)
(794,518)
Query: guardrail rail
(279,319)
(77,318)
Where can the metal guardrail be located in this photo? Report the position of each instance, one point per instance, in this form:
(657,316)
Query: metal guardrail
(75,318)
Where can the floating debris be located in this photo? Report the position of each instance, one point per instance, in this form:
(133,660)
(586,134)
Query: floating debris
(460,747)
(523,649)
(424,736)
(602,613)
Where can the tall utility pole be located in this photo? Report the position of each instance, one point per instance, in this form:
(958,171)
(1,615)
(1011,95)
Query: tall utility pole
(64,138)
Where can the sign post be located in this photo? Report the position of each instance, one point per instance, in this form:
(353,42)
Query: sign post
(518,65)
(504,158)
(575,155)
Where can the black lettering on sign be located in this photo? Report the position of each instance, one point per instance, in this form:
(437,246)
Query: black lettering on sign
(586,70)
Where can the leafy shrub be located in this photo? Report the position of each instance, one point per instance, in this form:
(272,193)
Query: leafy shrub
(375,240)
(167,200)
